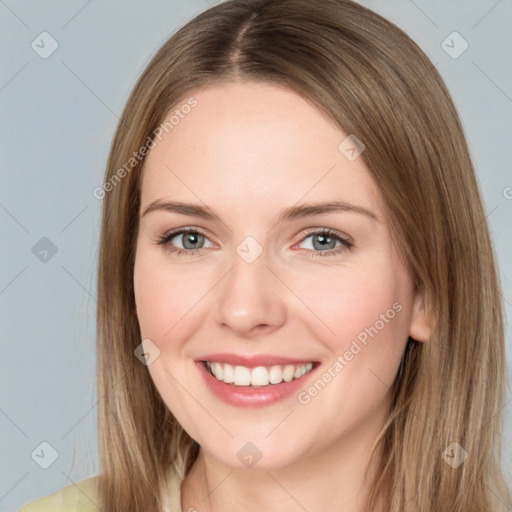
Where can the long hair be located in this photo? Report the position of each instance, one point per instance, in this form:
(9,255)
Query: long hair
(372,81)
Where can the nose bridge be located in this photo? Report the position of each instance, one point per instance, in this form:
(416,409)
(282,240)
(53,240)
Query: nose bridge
(250,295)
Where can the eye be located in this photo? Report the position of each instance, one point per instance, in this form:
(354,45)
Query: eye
(325,241)
(192,241)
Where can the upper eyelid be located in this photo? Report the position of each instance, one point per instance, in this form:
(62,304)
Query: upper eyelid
(183,231)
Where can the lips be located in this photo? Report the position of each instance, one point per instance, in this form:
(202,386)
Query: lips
(256,396)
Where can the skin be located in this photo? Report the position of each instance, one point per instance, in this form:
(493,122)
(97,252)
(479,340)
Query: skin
(248,150)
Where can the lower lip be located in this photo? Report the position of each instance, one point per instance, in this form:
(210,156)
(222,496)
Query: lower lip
(245,396)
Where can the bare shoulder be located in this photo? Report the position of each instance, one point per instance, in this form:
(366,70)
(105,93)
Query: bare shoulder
(79,497)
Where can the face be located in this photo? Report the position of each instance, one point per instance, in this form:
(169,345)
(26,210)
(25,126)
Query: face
(262,289)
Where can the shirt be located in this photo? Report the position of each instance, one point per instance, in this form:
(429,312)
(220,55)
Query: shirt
(82,497)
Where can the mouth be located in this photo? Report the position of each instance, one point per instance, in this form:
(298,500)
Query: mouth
(259,376)
(254,380)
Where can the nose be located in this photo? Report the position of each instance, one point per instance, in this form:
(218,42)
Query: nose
(250,300)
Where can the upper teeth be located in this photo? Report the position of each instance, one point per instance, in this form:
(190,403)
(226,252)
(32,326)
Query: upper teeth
(259,376)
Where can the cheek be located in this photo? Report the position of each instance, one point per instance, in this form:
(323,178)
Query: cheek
(366,310)
(163,298)
(148,300)
(352,299)
(153,298)
(164,311)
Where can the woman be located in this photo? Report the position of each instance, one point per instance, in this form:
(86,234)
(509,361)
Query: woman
(298,299)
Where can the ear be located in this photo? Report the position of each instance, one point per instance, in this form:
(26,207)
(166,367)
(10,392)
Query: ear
(421,326)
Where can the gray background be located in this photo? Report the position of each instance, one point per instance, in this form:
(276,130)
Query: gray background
(58,117)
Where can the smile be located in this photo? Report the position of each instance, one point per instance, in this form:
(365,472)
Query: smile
(258,382)
(259,376)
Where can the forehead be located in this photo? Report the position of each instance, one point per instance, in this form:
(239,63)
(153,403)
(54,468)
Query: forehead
(254,146)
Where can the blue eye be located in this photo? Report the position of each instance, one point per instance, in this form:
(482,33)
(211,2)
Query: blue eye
(193,241)
(325,240)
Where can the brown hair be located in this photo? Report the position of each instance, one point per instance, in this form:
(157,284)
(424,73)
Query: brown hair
(373,81)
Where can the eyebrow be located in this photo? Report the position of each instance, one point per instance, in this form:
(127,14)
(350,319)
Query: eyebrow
(286,214)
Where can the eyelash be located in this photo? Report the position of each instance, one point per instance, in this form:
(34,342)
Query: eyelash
(165,239)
